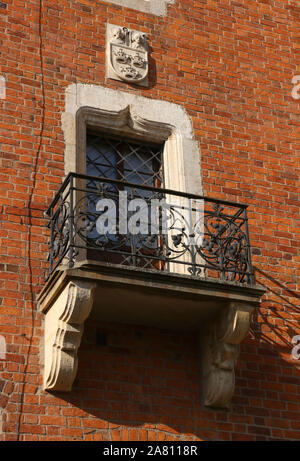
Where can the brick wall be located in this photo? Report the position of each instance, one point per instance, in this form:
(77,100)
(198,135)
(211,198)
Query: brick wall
(230,64)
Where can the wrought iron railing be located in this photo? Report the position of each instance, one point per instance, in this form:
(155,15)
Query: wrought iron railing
(153,229)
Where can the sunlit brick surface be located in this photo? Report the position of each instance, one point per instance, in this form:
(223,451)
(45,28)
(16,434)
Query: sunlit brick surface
(230,64)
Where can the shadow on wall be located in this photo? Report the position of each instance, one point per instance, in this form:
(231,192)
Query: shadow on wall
(276,321)
(139,379)
(139,383)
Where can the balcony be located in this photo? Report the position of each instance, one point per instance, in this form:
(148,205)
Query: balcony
(176,260)
(202,237)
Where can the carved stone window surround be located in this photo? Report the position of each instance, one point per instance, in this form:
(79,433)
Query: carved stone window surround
(137,117)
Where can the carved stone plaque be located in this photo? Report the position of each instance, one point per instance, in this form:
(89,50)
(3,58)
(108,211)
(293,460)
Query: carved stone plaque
(127,55)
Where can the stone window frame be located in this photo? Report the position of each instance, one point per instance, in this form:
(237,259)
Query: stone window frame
(157,7)
(139,118)
(121,123)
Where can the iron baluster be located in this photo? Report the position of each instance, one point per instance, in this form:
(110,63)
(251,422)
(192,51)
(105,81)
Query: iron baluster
(71,223)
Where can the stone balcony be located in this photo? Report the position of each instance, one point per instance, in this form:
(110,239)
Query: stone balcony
(187,269)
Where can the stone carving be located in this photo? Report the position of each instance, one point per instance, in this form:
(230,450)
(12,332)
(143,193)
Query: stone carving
(127,55)
(67,301)
(119,34)
(221,352)
(296,88)
(63,331)
(2,348)
(2,87)
(158,7)
(139,40)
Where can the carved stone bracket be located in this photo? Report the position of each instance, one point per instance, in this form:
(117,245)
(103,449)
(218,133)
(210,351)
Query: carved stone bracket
(221,311)
(63,331)
(221,350)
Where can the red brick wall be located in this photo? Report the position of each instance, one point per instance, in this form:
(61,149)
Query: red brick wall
(230,64)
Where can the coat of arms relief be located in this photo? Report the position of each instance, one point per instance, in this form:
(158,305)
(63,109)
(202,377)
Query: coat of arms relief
(127,55)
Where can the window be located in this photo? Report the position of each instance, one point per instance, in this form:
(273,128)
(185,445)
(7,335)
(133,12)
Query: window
(123,159)
(137,123)
(127,161)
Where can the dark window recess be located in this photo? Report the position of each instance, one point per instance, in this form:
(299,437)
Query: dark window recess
(131,162)
(126,160)
(101,338)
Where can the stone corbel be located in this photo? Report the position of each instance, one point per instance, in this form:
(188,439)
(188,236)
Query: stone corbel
(221,350)
(64,321)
